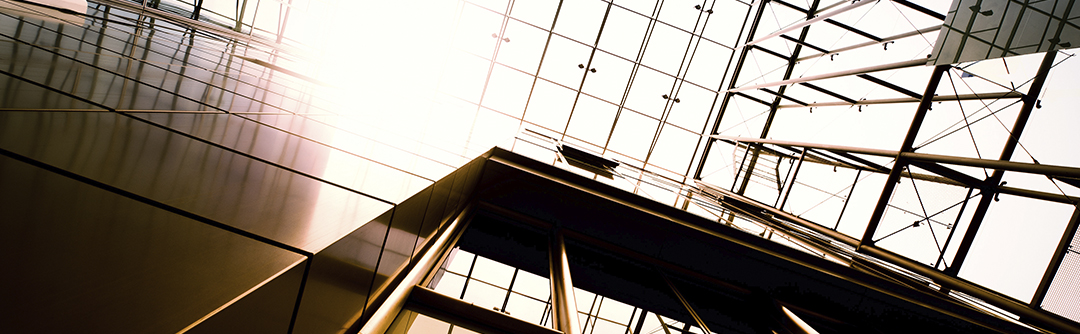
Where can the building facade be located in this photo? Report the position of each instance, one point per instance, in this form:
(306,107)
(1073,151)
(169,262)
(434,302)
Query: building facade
(659,166)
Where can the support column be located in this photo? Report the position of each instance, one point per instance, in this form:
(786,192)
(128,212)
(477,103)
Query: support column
(564,306)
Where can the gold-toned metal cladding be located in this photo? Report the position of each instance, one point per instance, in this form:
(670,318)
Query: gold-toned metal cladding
(385,314)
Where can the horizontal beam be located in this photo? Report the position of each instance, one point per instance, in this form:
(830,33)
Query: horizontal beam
(472,316)
(819,18)
(832,148)
(963,97)
(857,71)
(883,40)
(1011,166)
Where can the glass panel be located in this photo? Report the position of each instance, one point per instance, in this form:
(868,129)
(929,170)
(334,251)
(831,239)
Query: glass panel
(633,135)
(494,5)
(492,272)
(592,120)
(550,106)
(524,48)
(645,7)
(564,62)
(681,13)
(726,21)
(478,31)
(465,79)
(540,13)
(508,90)
(647,91)
(610,79)
(674,149)
(693,107)
(580,20)
(708,64)
(485,284)
(623,33)
(666,48)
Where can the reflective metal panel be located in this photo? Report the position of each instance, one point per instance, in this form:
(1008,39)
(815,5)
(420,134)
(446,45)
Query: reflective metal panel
(191,175)
(341,279)
(80,257)
(268,309)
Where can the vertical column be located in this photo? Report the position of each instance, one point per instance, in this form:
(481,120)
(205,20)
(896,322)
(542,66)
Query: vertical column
(564,307)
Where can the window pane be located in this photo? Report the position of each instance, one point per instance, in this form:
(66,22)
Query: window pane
(540,13)
(666,48)
(564,62)
(524,48)
(633,135)
(474,34)
(592,120)
(609,80)
(580,20)
(507,90)
(681,13)
(550,106)
(647,91)
(623,33)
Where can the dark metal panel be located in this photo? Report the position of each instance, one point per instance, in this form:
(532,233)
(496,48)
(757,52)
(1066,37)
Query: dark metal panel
(342,277)
(433,217)
(193,176)
(268,309)
(96,261)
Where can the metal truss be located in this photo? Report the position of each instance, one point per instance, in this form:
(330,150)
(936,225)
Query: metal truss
(943,169)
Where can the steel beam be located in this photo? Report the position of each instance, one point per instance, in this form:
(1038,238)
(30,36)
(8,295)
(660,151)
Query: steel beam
(791,181)
(921,9)
(386,313)
(852,29)
(997,165)
(898,166)
(963,97)
(883,40)
(819,18)
(1029,102)
(564,306)
(857,71)
(1008,304)
(728,95)
(890,85)
(776,101)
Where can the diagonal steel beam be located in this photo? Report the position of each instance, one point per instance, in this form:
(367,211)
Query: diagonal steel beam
(1029,101)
